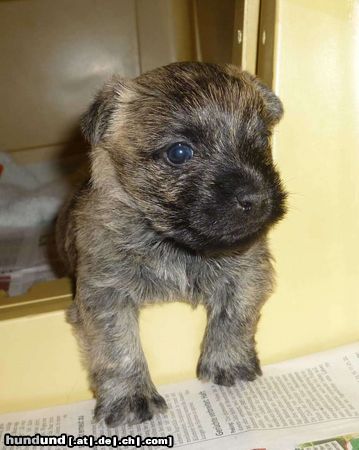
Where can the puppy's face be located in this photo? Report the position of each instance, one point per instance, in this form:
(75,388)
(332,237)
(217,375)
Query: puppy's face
(190,145)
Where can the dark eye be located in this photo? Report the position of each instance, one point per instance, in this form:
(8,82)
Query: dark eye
(179,153)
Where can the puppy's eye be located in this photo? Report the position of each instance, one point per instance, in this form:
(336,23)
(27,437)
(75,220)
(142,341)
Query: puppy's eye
(179,153)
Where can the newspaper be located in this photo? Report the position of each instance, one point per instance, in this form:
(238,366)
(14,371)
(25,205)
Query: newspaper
(296,404)
(347,442)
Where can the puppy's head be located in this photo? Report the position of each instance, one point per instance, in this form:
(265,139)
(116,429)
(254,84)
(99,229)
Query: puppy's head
(189,144)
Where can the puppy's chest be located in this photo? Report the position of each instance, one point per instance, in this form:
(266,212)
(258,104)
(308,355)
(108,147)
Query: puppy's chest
(169,278)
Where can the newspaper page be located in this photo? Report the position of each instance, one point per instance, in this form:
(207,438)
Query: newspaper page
(296,404)
(347,442)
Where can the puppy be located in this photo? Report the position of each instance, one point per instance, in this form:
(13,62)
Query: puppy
(183,191)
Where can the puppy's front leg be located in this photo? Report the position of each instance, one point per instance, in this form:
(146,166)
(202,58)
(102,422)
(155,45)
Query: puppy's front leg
(228,350)
(107,325)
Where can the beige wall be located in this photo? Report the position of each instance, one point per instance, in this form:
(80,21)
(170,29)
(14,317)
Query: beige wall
(316,70)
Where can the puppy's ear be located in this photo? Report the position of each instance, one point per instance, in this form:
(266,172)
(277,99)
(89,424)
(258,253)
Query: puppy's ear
(96,120)
(273,106)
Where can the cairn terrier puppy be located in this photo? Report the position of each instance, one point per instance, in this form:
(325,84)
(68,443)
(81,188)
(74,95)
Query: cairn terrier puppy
(183,191)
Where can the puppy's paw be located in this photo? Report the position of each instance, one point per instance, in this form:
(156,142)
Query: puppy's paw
(129,410)
(228,375)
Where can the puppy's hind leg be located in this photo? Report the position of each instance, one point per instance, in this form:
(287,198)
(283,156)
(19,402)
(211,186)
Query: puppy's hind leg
(118,370)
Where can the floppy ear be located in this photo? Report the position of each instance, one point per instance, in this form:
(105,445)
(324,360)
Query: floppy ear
(273,106)
(95,121)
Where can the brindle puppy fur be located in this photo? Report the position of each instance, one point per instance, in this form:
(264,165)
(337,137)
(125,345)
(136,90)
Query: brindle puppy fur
(143,230)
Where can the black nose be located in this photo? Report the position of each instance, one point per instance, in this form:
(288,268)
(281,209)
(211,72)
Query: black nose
(251,201)
(245,205)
